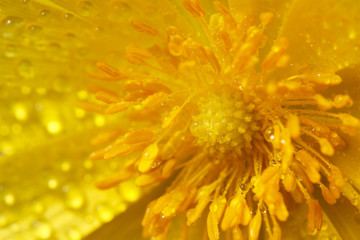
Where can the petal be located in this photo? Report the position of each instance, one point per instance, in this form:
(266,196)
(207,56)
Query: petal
(348,160)
(323,34)
(259,6)
(127,225)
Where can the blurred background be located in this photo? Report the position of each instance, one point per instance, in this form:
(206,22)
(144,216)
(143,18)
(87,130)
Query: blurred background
(47,51)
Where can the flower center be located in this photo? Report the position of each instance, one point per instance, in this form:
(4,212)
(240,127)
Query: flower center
(225,123)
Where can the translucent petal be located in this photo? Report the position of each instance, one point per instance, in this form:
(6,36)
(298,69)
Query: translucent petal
(323,34)
(348,160)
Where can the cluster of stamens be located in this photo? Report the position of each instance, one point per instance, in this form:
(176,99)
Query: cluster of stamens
(225,123)
(281,130)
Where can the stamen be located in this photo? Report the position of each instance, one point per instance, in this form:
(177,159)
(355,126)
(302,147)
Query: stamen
(314,216)
(276,57)
(322,103)
(107,97)
(266,18)
(142,27)
(148,157)
(194,7)
(154,101)
(212,226)
(237,136)
(138,136)
(117,107)
(223,10)
(236,233)
(328,79)
(327,195)
(119,149)
(255,225)
(107,68)
(341,101)
(135,55)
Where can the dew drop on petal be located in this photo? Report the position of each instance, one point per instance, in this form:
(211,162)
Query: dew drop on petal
(9,199)
(269,134)
(25,69)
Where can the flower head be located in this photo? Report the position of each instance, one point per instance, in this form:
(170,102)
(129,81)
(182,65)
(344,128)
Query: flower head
(246,129)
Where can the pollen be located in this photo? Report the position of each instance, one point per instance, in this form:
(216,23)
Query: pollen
(237,137)
(225,123)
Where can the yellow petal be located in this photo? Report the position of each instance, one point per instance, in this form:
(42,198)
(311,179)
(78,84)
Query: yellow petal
(348,160)
(324,34)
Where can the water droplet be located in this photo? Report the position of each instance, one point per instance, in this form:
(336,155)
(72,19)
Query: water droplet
(9,199)
(25,69)
(263,209)
(99,120)
(269,134)
(53,51)
(119,11)
(352,34)
(20,112)
(85,8)
(54,127)
(10,51)
(34,33)
(52,183)
(68,16)
(10,26)
(61,84)
(44,13)
(104,212)
(355,201)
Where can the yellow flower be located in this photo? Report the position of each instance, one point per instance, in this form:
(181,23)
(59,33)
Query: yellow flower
(234,102)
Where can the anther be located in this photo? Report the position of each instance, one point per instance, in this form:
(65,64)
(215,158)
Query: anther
(117,107)
(194,7)
(142,27)
(107,68)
